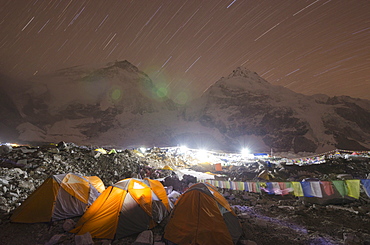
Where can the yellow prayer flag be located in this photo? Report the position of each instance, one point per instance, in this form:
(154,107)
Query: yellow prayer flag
(353,187)
(297,187)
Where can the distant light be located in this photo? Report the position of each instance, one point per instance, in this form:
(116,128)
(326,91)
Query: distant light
(142,149)
(202,155)
(245,151)
(183,149)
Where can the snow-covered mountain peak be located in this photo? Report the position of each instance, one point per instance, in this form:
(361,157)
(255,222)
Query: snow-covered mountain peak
(242,80)
(243,72)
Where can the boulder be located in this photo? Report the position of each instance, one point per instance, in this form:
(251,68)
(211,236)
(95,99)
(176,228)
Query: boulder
(68,225)
(144,238)
(5,149)
(55,239)
(84,239)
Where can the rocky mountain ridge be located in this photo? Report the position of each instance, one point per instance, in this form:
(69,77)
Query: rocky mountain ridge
(244,105)
(119,105)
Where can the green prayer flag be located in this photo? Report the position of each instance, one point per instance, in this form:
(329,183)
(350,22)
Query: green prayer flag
(340,186)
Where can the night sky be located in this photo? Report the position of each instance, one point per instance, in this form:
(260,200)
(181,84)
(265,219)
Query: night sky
(185,46)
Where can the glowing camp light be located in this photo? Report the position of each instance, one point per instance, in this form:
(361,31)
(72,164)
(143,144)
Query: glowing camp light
(142,149)
(202,155)
(245,151)
(183,149)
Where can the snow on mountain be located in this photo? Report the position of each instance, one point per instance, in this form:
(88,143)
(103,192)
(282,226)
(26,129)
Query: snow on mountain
(118,105)
(82,103)
(244,106)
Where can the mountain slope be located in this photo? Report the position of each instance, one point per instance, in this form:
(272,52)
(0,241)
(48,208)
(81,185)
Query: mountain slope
(79,104)
(251,112)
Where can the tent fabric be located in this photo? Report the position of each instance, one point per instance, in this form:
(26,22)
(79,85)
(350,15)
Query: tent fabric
(218,167)
(96,182)
(366,185)
(59,197)
(167,168)
(202,216)
(128,207)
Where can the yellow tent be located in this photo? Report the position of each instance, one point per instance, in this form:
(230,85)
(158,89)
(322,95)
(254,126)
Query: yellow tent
(59,197)
(202,216)
(167,168)
(128,207)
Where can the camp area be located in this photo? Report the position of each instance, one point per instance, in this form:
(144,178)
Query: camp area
(69,194)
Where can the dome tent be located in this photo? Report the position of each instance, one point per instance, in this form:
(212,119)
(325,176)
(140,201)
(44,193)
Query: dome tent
(202,216)
(128,207)
(59,197)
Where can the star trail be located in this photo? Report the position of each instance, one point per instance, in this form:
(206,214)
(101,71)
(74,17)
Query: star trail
(307,46)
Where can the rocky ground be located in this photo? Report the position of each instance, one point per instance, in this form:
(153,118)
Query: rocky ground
(266,219)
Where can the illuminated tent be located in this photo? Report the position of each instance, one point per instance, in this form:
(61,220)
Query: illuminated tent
(128,207)
(167,168)
(59,197)
(202,216)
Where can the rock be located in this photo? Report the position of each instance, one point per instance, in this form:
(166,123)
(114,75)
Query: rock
(57,158)
(174,182)
(351,239)
(54,150)
(22,162)
(244,216)
(105,242)
(84,239)
(4,182)
(231,197)
(158,237)
(261,223)
(27,150)
(55,239)
(344,176)
(27,185)
(68,225)
(247,242)
(4,149)
(144,238)
(226,194)
(96,154)
(62,146)
(2,201)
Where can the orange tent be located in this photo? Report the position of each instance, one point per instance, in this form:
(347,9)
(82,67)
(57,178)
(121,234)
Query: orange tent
(218,167)
(59,197)
(202,216)
(128,207)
